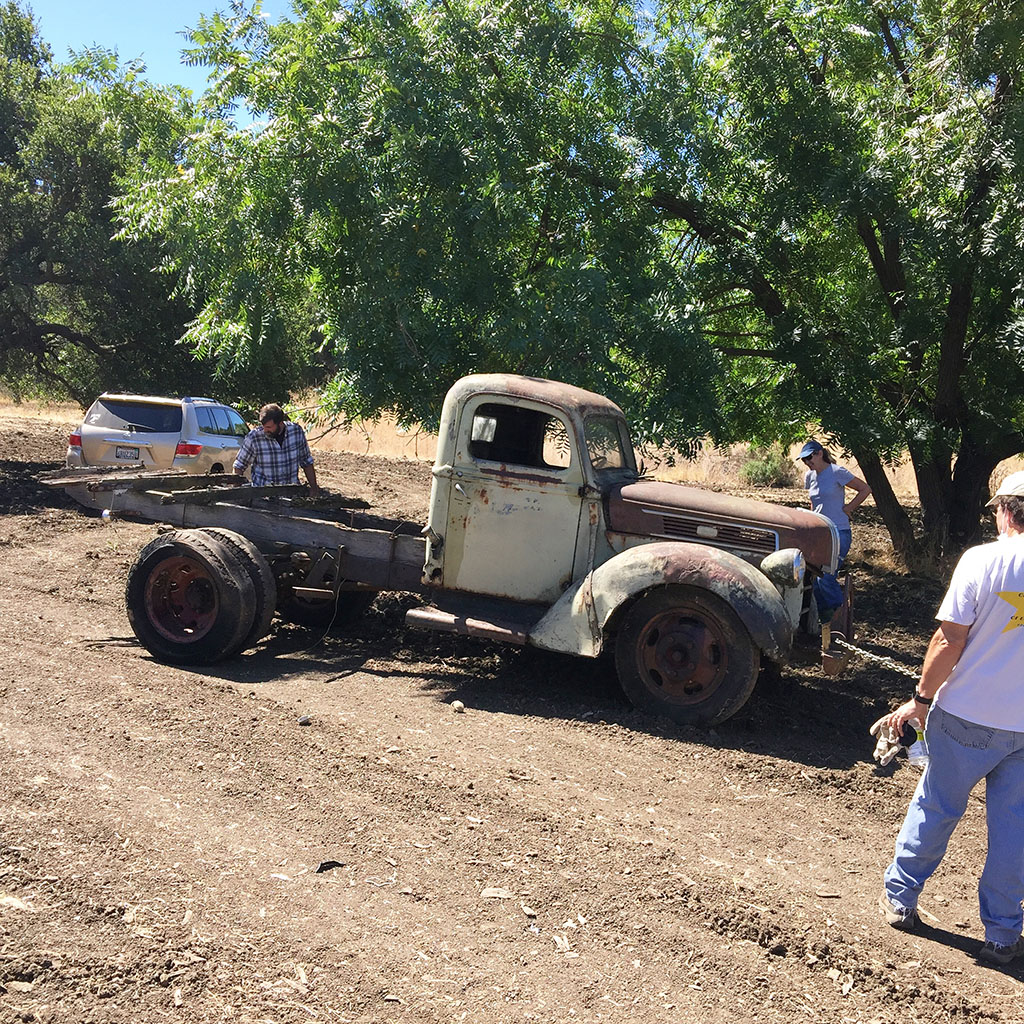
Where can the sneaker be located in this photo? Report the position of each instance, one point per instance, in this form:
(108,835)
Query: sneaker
(1002,955)
(903,918)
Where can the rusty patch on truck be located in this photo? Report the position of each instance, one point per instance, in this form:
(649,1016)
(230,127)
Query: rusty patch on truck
(517,473)
(533,389)
(663,559)
(751,529)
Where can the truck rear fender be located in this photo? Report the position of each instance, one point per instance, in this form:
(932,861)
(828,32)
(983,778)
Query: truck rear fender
(577,623)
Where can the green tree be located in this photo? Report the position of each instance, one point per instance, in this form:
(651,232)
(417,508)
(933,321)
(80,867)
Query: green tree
(73,303)
(731,216)
(857,231)
(81,309)
(414,195)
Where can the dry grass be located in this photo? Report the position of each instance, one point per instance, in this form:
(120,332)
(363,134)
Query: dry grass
(711,467)
(64,413)
(377,437)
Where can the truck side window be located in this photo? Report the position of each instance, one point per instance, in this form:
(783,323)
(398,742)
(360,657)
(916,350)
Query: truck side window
(604,443)
(518,436)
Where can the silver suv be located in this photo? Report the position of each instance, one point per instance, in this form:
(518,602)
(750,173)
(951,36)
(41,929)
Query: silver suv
(197,435)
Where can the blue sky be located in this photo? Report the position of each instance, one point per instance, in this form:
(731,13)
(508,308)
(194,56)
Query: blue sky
(148,29)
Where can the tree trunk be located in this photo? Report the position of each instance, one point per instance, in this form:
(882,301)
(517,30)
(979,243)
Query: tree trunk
(935,491)
(974,465)
(953,497)
(897,522)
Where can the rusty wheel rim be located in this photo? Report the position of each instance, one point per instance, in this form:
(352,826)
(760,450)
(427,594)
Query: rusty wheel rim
(683,657)
(181,599)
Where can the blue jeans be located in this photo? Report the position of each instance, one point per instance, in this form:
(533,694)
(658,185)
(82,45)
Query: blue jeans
(828,594)
(961,754)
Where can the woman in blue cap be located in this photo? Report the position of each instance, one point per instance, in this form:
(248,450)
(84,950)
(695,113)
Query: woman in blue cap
(826,485)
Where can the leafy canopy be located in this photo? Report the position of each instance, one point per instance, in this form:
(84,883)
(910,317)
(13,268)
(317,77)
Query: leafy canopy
(731,216)
(434,190)
(83,309)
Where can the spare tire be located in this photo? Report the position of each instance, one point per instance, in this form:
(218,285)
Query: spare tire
(255,566)
(188,602)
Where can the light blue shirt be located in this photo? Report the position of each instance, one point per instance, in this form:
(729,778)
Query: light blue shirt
(827,491)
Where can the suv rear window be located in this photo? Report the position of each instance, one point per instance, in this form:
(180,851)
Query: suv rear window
(140,416)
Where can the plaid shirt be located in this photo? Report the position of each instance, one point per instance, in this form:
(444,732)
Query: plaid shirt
(274,463)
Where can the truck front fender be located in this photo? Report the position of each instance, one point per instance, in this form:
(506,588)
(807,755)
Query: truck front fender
(576,623)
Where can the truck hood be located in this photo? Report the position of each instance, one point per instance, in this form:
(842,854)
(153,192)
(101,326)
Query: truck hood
(750,529)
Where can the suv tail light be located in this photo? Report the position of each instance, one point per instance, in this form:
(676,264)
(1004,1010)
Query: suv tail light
(187,449)
(75,441)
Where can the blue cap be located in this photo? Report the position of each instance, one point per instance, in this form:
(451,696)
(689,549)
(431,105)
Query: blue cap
(808,449)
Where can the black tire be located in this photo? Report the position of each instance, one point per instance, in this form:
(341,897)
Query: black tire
(301,611)
(682,652)
(256,568)
(187,601)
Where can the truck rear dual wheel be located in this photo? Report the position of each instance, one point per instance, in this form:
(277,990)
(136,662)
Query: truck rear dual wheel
(189,600)
(255,566)
(683,652)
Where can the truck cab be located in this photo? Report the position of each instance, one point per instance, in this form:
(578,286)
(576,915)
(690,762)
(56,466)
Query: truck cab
(522,465)
(542,531)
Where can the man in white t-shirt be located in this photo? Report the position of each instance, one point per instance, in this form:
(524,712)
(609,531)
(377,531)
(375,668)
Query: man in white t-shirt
(974,671)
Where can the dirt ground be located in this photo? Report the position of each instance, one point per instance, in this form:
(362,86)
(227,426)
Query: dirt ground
(177,845)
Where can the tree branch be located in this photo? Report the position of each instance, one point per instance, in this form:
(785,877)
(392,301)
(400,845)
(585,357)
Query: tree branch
(814,74)
(45,329)
(757,353)
(897,57)
(764,293)
(949,404)
(612,38)
(745,304)
(887,266)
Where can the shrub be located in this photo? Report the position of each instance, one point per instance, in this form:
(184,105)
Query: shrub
(768,467)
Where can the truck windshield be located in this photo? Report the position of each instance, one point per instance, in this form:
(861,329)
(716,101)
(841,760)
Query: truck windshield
(608,445)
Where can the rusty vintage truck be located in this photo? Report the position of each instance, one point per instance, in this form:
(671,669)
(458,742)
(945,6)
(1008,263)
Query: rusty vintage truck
(540,531)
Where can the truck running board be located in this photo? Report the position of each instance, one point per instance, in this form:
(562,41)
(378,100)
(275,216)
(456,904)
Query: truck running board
(505,630)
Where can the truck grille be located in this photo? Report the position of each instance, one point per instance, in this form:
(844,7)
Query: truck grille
(721,535)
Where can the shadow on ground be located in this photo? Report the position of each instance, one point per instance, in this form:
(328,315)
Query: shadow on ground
(796,713)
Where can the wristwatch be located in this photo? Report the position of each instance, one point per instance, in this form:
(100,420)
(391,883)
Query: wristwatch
(922,700)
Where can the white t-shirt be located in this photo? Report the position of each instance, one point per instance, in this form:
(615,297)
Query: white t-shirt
(987,593)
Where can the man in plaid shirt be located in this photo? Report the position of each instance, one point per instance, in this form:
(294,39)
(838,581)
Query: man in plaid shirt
(276,450)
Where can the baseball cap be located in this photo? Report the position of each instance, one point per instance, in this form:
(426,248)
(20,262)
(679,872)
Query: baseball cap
(810,448)
(1011,487)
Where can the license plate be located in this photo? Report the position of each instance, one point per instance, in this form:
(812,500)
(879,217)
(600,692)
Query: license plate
(129,454)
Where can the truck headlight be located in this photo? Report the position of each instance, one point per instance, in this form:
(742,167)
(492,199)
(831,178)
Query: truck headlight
(784,568)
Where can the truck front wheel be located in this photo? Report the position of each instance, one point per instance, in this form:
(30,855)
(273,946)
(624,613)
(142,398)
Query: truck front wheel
(682,652)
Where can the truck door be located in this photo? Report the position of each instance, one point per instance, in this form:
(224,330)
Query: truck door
(515,501)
